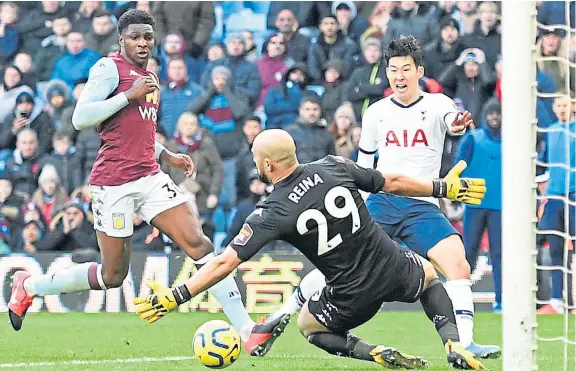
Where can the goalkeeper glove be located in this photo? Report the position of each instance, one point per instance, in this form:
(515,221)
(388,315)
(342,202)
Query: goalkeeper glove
(466,190)
(153,307)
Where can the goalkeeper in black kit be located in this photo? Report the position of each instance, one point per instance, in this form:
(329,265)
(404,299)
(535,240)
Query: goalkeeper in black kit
(317,207)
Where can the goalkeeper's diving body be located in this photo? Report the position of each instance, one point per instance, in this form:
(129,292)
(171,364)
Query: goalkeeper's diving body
(408,131)
(318,208)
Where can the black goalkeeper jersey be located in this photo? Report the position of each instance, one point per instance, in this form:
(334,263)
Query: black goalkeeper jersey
(319,210)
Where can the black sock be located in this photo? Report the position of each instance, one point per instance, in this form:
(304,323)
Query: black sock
(342,345)
(438,308)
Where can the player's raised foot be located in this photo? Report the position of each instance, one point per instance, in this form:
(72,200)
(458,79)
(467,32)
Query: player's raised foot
(20,301)
(484,351)
(461,359)
(394,359)
(265,334)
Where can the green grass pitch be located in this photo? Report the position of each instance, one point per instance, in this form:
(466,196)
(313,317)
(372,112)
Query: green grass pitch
(78,341)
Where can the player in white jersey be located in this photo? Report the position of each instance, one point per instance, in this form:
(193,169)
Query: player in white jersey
(408,131)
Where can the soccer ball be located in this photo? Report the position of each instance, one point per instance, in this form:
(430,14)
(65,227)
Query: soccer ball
(216,344)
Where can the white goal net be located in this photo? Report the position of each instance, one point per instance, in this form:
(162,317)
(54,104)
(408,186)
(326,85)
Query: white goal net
(539,136)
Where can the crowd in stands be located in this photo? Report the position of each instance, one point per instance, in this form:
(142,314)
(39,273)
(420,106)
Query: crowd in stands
(228,70)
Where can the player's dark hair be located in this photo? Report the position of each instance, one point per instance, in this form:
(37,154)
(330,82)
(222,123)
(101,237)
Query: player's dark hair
(253,118)
(134,16)
(405,46)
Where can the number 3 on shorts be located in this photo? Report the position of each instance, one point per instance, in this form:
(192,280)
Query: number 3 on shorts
(171,188)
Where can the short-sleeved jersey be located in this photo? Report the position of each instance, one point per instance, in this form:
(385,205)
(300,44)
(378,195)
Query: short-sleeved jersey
(409,139)
(319,210)
(128,137)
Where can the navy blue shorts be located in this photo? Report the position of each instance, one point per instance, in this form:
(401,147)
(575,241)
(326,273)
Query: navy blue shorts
(417,224)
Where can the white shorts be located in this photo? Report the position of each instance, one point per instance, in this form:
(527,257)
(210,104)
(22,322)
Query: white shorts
(114,207)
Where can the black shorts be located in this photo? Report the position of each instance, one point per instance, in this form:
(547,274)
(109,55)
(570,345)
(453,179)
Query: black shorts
(342,310)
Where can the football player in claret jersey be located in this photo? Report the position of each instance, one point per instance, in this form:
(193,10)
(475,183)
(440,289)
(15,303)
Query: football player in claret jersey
(408,130)
(121,99)
(317,207)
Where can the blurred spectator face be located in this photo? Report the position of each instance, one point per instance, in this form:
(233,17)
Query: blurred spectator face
(286,21)
(329,27)
(372,54)
(177,70)
(50,6)
(344,16)
(562,108)
(74,215)
(152,66)
(235,47)
(25,107)
(383,7)
(449,35)
(48,187)
(8,13)
(173,44)
(257,187)
(27,143)
(331,75)
(494,120)
(356,131)
(31,232)
(91,6)
(143,5)
(61,146)
(446,5)
(188,125)
(61,26)
(23,61)
(248,40)
(78,90)
(488,14)
(276,46)
(466,7)
(56,100)
(310,112)
(407,5)
(31,214)
(75,42)
(471,69)
(101,25)
(343,123)
(219,80)
(403,76)
(5,189)
(296,76)
(11,77)
(251,129)
(550,44)
(215,52)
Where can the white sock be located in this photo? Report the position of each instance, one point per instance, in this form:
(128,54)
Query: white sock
(310,284)
(557,304)
(228,295)
(460,293)
(72,279)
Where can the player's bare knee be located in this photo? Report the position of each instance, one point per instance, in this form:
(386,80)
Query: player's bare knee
(113,279)
(462,270)
(429,271)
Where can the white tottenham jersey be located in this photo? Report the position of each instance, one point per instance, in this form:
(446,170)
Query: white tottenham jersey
(409,139)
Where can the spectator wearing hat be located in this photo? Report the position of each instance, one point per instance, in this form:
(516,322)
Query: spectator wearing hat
(297,45)
(12,85)
(246,77)
(272,65)
(207,184)
(221,109)
(194,20)
(50,195)
(350,22)
(10,203)
(57,95)
(368,82)
(251,128)
(334,88)
(486,35)
(174,47)
(69,230)
(23,167)
(443,51)
(26,115)
(411,18)
(66,161)
(471,80)
(102,35)
(76,62)
(482,150)
(283,101)
(331,44)
(53,47)
(36,24)
(176,95)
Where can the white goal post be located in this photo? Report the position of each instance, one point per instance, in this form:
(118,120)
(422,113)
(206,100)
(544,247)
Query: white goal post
(519,188)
